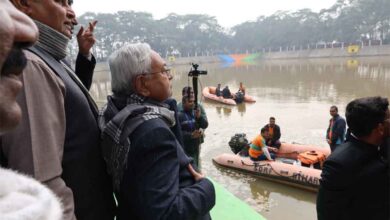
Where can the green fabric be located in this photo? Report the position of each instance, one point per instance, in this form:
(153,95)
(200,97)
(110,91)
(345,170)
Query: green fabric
(229,207)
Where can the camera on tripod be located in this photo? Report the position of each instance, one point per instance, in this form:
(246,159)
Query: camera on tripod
(195,71)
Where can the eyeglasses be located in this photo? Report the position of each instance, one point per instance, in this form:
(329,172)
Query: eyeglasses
(164,71)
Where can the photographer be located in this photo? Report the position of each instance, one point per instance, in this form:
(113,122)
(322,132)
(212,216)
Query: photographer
(192,124)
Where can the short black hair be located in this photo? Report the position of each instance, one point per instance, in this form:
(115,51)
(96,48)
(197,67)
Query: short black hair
(272,118)
(263,130)
(334,107)
(364,114)
(186,90)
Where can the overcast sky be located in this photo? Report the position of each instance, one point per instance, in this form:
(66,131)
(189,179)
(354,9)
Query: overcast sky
(227,12)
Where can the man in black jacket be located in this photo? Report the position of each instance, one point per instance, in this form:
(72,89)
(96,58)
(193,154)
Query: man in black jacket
(152,176)
(274,133)
(354,181)
(335,134)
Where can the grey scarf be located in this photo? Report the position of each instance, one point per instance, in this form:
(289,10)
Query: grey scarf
(117,125)
(52,41)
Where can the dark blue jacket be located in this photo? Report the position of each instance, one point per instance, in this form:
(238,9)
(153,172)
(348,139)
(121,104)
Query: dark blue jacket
(338,130)
(157,183)
(187,124)
(354,184)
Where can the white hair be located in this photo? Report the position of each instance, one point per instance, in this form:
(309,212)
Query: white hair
(126,63)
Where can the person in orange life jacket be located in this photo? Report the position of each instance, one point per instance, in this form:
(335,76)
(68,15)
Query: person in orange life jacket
(273,133)
(258,150)
(335,134)
(241,89)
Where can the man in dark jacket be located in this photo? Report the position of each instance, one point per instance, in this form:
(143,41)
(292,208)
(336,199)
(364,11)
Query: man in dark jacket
(226,93)
(354,181)
(152,176)
(335,134)
(192,125)
(273,133)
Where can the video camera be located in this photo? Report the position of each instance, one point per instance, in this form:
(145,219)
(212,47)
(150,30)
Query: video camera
(195,71)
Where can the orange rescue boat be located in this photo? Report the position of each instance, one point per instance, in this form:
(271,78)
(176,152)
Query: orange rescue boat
(209,93)
(285,169)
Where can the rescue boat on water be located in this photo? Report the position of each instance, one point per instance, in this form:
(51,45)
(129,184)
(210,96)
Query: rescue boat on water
(295,165)
(209,93)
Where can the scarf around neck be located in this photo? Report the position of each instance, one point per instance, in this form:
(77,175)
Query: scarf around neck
(52,41)
(118,123)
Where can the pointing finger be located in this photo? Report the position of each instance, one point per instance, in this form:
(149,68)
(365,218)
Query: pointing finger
(80,33)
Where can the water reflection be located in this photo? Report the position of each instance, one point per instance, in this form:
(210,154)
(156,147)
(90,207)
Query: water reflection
(297,92)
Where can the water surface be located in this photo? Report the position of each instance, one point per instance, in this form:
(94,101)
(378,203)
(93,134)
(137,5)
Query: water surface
(298,93)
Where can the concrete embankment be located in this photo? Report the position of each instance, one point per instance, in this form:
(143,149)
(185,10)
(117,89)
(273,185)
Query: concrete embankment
(383,50)
(367,51)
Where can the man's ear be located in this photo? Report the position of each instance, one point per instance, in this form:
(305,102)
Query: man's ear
(141,85)
(23,5)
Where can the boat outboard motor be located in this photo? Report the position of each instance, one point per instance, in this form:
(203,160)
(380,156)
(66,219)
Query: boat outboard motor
(238,142)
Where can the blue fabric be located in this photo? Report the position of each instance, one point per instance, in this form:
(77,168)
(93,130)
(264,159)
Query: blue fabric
(263,157)
(338,131)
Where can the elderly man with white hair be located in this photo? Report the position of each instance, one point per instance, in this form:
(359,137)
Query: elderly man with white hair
(152,176)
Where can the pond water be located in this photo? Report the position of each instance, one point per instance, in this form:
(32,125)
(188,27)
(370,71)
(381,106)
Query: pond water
(298,93)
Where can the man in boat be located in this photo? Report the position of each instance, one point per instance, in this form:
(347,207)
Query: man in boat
(354,181)
(218,90)
(152,175)
(61,138)
(192,126)
(226,93)
(21,197)
(273,133)
(241,89)
(258,150)
(335,134)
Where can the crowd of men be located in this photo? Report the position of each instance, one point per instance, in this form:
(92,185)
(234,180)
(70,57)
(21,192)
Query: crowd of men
(78,157)
(58,141)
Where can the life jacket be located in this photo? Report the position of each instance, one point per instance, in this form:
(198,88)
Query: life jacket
(270,132)
(314,158)
(255,147)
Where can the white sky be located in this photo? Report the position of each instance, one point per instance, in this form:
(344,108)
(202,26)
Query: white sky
(227,12)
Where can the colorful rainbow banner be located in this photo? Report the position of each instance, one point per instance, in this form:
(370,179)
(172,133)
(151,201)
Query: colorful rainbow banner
(238,59)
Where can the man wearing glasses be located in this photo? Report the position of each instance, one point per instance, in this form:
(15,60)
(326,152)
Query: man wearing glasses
(152,176)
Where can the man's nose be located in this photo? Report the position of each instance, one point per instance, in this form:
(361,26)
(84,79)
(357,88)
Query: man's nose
(72,15)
